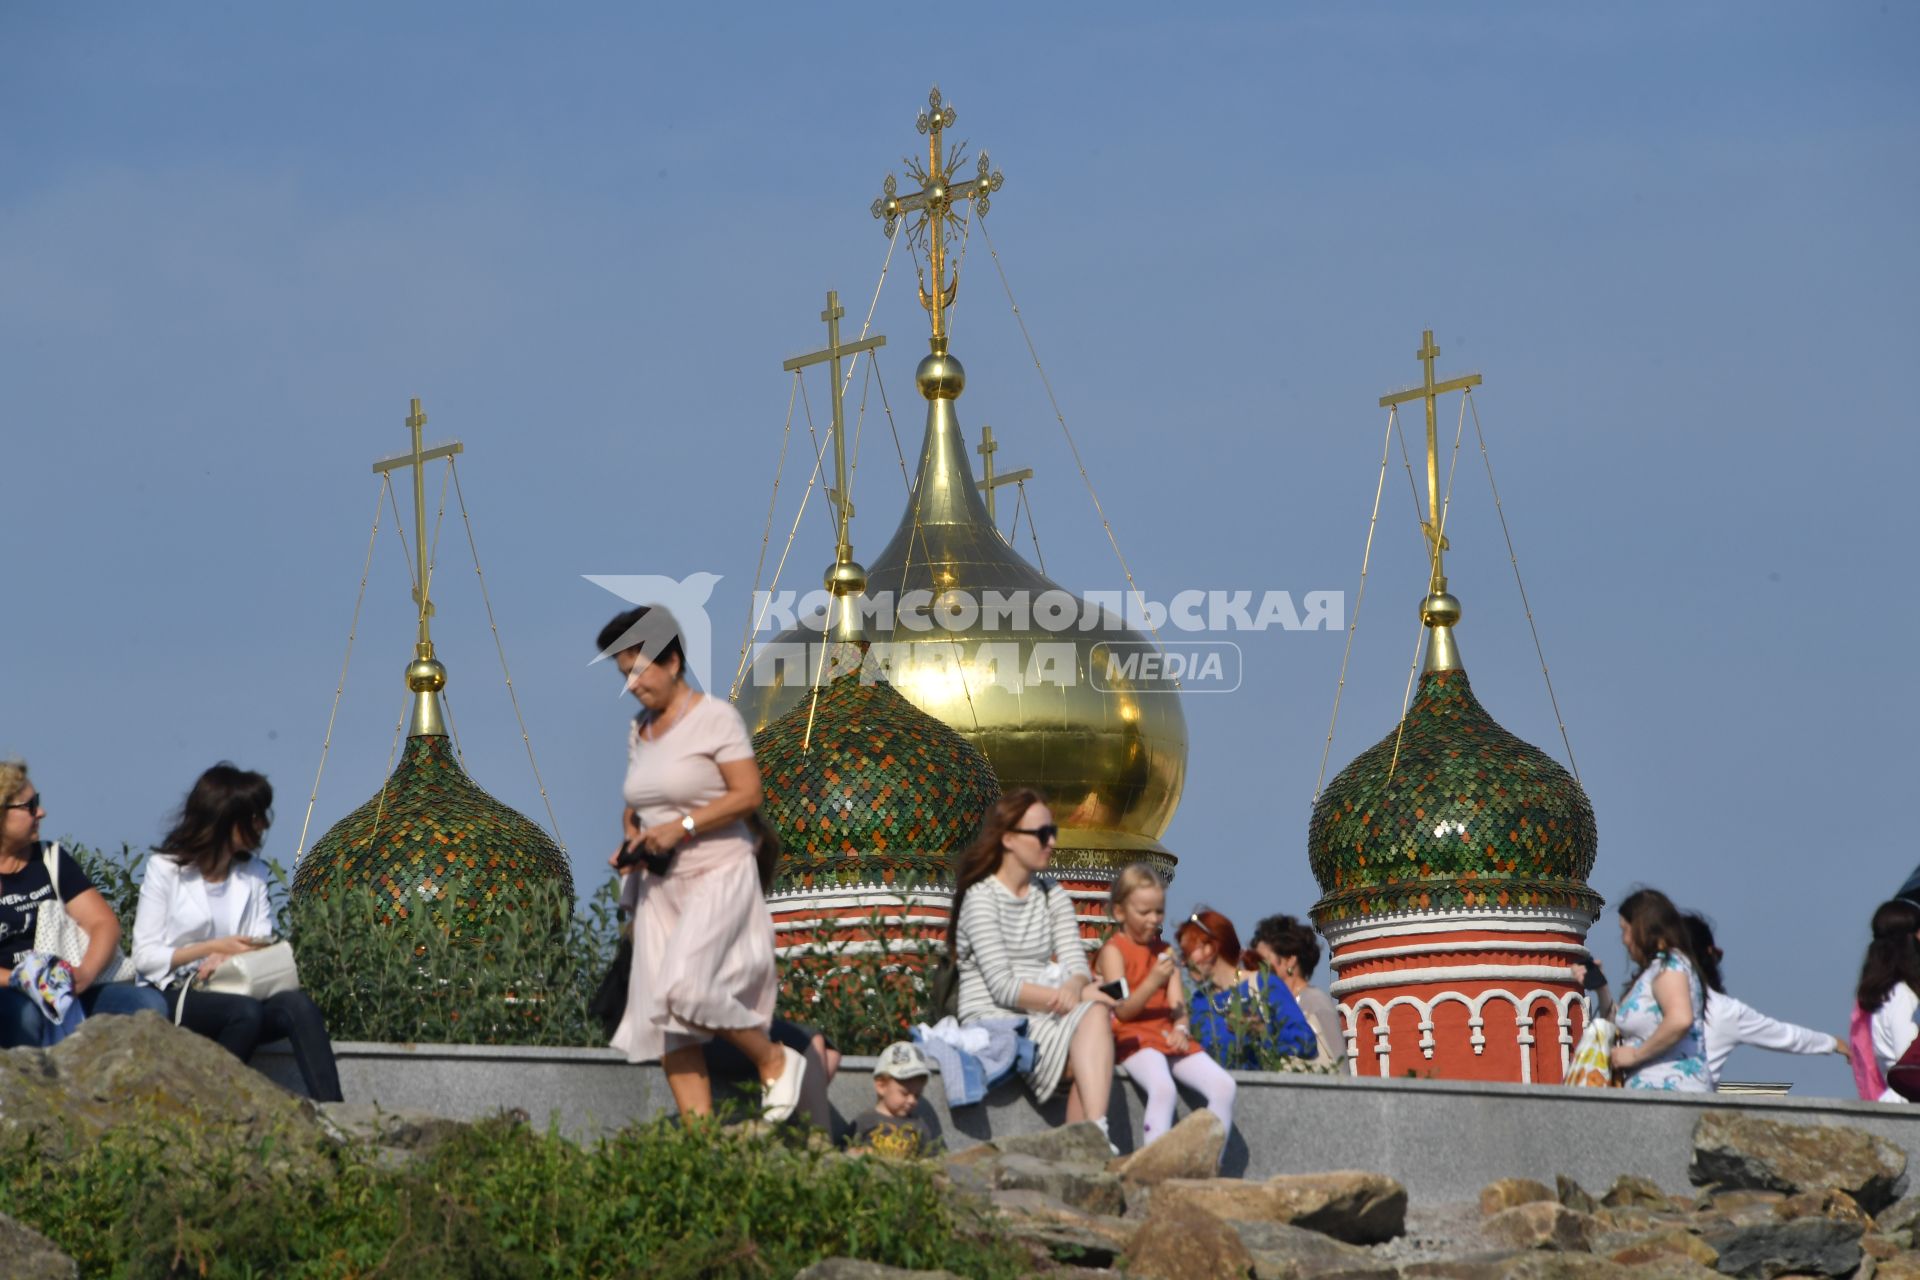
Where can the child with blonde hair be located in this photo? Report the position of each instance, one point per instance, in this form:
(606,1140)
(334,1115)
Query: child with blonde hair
(1151,1039)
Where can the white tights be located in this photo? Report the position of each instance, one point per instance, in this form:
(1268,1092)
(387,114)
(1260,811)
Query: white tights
(1150,1070)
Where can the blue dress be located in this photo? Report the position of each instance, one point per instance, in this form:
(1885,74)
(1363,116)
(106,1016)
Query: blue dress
(1683,1067)
(1212,1013)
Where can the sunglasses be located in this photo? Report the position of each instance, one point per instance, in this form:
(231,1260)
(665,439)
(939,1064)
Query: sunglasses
(31,805)
(1046,835)
(1200,924)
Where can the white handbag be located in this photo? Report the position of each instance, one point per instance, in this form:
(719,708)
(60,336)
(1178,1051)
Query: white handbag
(58,934)
(257,974)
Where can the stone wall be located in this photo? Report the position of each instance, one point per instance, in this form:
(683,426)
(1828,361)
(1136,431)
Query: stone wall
(1442,1139)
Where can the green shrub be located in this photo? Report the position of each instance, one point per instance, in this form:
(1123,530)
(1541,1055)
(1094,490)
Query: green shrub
(497,1201)
(861,997)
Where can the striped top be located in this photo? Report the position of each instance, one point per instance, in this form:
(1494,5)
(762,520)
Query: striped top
(1003,940)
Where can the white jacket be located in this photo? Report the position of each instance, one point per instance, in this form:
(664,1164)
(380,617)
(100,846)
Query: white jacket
(1894,1031)
(175,911)
(1731,1023)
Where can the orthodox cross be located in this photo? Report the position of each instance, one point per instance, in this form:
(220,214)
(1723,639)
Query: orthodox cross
(1430,391)
(936,198)
(836,351)
(417,458)
(987,448)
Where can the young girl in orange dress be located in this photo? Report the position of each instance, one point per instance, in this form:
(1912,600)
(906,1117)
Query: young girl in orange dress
(1150,1034)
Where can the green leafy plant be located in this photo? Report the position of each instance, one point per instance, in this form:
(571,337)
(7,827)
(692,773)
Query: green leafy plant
(860,993)
(499,1200)
(1247,1021)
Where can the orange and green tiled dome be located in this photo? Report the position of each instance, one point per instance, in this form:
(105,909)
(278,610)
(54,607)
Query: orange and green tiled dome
(875,792)
(1467,818)
(432,833)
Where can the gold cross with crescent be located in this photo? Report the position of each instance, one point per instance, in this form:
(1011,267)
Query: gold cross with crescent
(1430,391)
(935,200)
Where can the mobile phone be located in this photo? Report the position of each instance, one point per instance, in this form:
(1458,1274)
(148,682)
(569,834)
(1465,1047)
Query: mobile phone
(1116,989)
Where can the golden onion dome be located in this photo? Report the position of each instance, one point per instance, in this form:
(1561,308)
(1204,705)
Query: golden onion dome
(1035,695)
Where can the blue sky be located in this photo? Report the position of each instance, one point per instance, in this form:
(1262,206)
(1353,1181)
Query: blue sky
(1677,242)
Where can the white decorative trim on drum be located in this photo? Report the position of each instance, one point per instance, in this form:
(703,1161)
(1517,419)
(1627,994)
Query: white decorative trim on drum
(1408,923)
(1562,1004)
(1574,949)
(1455,973)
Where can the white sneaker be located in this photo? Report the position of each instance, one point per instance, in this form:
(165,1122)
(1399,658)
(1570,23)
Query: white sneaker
(783,1095)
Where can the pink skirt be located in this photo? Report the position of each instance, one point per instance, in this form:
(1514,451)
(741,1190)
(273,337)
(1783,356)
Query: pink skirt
(702,952)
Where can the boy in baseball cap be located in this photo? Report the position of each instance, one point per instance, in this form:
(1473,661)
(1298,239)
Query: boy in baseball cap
(900,1123)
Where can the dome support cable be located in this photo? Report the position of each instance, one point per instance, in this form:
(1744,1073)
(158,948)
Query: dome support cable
(1514,559)
(1061,418)
(1360,598)
(353,629)
(501,648)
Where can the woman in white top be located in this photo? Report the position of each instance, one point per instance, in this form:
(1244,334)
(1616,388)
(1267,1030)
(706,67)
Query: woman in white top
(1889,994)
(1018,947)
(204,900)
(1732,1023)
(703,960)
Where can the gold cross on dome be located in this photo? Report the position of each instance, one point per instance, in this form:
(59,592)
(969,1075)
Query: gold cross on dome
(417,458)
(834,352)
(1430,391)
(935,201)
(989,482)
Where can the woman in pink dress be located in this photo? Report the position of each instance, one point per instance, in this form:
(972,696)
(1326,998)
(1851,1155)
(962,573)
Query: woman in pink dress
(703,962)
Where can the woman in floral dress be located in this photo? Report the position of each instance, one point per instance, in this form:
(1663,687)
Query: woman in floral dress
(1662,1018)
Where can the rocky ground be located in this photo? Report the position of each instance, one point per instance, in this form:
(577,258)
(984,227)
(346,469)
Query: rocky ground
(1772,1199)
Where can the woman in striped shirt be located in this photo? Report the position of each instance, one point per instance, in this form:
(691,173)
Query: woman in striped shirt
(1020,955)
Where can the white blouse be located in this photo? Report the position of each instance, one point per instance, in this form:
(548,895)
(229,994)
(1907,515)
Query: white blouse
(1894,1031)
(176,911)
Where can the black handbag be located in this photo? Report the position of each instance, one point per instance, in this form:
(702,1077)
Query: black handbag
(609,1002)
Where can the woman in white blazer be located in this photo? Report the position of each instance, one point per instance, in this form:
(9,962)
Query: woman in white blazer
(1732,1023)
(204,900)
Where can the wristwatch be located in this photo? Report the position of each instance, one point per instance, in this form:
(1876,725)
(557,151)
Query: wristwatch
(686,824)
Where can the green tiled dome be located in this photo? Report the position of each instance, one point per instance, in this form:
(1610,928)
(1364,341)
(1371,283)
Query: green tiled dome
(432,832)
(1472,818)
(883,790)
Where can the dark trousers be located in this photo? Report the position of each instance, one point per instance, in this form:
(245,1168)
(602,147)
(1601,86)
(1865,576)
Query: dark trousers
(242,1024)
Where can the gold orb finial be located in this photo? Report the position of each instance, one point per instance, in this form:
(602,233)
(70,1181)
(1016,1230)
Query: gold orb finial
(940,377)
(1440,609)
(846,578)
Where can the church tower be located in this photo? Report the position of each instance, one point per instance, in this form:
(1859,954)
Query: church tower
(1028,685)
(1453,859)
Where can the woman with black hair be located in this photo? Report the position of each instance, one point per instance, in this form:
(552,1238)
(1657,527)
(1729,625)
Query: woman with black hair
(1662,1018)
(1889,998)
(1732,1023)
(204,900)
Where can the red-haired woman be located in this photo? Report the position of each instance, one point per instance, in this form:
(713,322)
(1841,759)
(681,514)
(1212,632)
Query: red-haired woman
(1238,1010)
(1018,949)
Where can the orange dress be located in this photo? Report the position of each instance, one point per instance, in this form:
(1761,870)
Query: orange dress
(1149,1030)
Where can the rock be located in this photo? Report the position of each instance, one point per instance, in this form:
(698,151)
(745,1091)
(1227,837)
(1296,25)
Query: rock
(1359,1208)
(1223,1199)
(1746,1151)
(1661,1246)
(1543,1224)
(31,1256)
(1191,1149)
(1881,1248)
(1081,1143)
(1573,1196)
(1089,1188)
(1808,1246)
(860,1269)
(1180,1241)
(1904,1216)
(1508,1193)
(1632,1192)
(1837,1205)
(1280,1252)
(1062,1232)
(1633,1219)
(399,1138)
(119,1070)
(1904,1267)
(1581,1266)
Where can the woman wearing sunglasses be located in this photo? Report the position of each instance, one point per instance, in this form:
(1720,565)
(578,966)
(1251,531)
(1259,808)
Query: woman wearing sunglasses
(27,872)
(1019,954)
(1239,1012)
